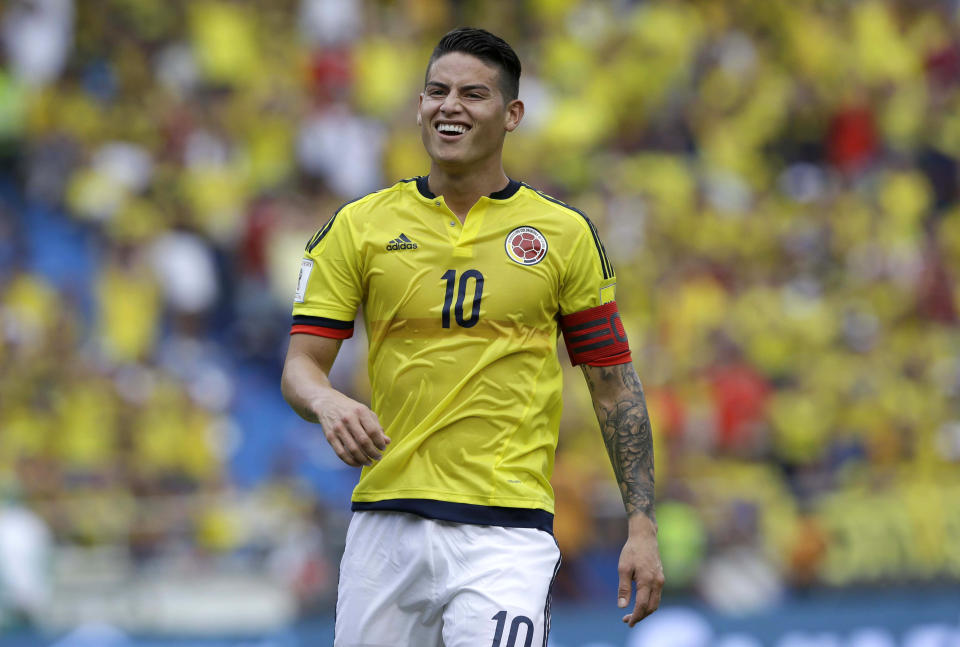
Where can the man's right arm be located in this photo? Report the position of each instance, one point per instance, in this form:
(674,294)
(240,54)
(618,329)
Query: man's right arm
(350,427)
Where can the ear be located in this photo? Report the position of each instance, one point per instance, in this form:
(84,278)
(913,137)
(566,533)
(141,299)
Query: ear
(513,115)
(419,105)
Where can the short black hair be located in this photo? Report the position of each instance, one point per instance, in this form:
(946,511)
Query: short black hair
(489,48)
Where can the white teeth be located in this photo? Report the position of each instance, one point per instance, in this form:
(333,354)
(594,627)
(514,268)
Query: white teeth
(452,129)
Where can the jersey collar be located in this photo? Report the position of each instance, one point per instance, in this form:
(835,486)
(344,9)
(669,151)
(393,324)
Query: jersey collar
(506,192)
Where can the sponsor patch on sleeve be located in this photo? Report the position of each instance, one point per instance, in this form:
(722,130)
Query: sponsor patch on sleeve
(306,266)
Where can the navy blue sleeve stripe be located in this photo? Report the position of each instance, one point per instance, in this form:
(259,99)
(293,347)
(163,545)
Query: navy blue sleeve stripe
(605,264)
(306,320)
(320,234)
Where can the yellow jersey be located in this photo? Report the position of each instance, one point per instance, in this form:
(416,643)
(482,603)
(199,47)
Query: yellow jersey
(462,323)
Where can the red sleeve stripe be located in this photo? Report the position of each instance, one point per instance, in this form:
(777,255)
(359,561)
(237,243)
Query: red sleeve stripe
(322,327)
(332,333)
(596,336)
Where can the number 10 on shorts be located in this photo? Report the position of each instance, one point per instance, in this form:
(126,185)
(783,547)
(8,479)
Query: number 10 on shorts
(518,621)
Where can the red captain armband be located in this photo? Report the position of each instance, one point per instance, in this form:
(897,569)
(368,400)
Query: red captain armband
(322,327)
(596,336)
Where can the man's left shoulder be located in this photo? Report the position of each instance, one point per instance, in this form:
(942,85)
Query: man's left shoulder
(564,218)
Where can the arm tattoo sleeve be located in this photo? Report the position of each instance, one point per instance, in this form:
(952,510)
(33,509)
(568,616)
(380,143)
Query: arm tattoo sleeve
(622,412)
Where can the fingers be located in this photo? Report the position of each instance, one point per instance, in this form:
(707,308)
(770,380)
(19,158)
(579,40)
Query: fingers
(647,600)
(655,593)
(365,447)
(354,434)
(623,590)
(358,444)
(372,426)
(339,450)
(641,608)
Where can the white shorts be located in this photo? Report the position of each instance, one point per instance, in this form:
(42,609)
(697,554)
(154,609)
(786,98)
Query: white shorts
(406,581)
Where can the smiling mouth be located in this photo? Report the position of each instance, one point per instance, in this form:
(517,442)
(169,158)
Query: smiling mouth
(451,130)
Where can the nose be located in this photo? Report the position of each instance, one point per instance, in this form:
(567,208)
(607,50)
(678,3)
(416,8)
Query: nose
(451,103)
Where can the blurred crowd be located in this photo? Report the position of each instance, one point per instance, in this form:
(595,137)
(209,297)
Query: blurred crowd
(776,184)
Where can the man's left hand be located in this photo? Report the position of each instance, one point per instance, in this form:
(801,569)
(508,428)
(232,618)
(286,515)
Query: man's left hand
(640,565)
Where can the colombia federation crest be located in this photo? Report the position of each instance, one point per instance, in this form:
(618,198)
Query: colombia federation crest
(526,245)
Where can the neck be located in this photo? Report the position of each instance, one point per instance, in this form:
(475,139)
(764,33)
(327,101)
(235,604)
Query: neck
(461,190)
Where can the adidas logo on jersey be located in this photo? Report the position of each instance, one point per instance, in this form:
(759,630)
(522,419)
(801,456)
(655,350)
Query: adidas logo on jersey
(400,243)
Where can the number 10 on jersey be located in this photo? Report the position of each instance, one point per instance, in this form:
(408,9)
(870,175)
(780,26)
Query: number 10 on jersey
(460,287)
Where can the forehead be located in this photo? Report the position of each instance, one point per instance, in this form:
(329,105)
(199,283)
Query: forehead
(458,68)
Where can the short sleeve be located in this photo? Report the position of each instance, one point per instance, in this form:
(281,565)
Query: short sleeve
(592,330)
(329,287)
(589,280)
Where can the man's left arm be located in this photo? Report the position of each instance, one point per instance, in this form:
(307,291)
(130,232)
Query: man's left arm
(622,412)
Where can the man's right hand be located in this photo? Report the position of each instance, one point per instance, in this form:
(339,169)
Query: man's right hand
(351,428)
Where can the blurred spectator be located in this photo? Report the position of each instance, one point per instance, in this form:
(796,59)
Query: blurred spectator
(37,38)
(328,23)
(186,272)
(343,149)
(684,538)
(25,553)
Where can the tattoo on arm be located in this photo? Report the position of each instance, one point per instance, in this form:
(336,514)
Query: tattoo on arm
(622,412)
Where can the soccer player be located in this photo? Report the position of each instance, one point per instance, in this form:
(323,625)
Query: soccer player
(466,278)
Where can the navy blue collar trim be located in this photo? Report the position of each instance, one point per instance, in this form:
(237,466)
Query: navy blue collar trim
(424,188)
(506,192)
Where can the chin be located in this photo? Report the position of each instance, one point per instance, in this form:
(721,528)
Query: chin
(450,158)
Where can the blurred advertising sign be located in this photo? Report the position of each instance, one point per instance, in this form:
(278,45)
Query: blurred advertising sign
(864,618)
(679,627)
(867,618)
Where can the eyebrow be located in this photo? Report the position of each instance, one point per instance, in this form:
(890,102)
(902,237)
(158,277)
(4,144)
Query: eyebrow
(466,88)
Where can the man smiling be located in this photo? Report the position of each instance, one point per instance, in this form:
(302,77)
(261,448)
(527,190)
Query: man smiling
(466,278)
